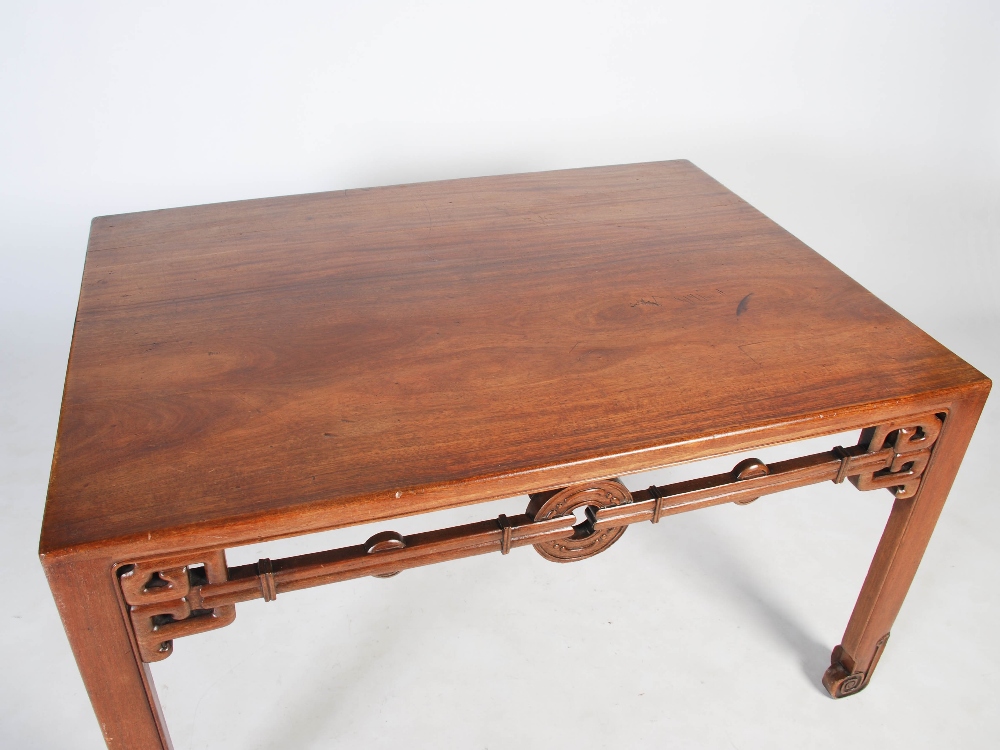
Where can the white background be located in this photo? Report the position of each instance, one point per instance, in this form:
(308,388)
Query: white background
(870,130)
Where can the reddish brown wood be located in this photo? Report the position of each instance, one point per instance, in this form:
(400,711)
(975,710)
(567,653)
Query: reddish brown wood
(317,359)
(195,600)
(381,542)
(914,515)
(753,467)
(253,370)
(586,540)
(157,594)
(118,682)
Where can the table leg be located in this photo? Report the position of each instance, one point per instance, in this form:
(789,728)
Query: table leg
(899,552)
(119,684)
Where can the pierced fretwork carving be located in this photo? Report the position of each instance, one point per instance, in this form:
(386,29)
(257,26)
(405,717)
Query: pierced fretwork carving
(182,596)
(164,600)
(906,445)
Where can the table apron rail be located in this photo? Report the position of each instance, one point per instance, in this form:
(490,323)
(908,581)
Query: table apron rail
(344,563)
(167,600)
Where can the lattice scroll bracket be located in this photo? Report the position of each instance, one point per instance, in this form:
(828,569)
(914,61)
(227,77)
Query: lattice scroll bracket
(164,600)
(906,444)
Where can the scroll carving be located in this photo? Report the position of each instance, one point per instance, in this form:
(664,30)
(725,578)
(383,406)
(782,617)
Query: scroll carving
(192,594)
(907,447)
(163,599)
(841,682)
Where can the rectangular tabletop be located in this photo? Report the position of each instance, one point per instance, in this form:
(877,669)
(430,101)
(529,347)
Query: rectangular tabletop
(336,358)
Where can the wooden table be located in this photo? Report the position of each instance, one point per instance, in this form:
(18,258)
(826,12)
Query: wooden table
(254,370)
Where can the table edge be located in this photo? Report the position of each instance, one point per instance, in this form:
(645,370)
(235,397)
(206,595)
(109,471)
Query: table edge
(328,515)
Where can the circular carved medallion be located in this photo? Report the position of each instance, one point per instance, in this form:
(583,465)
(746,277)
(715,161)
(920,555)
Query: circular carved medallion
(586,540)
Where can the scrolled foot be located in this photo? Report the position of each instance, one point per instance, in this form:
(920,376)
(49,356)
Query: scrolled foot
(840,681)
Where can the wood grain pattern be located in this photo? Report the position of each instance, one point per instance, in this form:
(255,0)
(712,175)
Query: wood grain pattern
(252,370)
(366,354)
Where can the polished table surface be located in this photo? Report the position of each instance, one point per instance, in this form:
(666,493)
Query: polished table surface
(254,369)
(267,368)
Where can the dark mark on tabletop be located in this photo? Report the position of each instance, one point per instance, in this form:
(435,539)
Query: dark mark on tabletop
(744,304)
